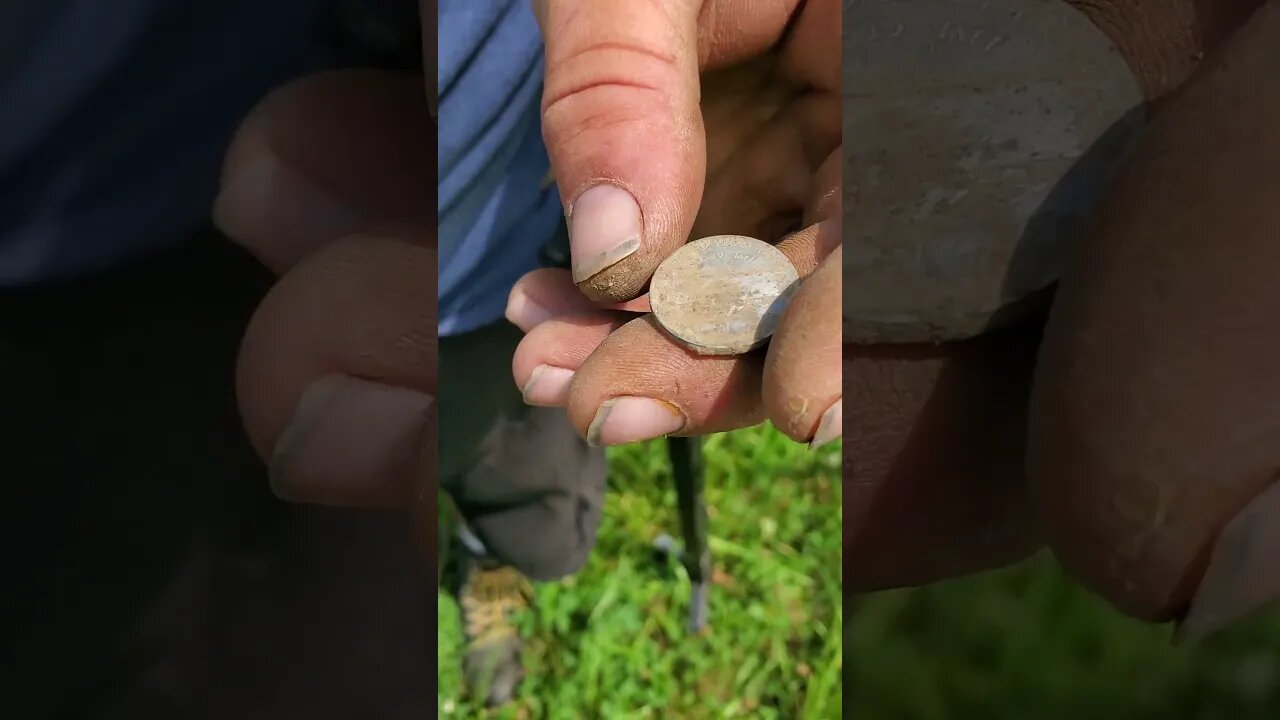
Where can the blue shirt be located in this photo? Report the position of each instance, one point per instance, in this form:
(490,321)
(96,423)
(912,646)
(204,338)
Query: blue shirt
(496,209)
(114,118)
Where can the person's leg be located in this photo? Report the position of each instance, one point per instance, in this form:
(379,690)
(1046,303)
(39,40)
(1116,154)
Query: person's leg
(528,488)
(526,483)
(149,571)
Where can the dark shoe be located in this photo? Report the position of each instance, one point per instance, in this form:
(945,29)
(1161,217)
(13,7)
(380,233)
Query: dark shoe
(489,597)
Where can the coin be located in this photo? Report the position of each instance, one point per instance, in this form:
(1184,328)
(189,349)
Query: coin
(980,135)
(722,295)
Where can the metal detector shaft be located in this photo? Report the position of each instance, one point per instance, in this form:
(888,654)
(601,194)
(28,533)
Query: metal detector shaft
(687,466)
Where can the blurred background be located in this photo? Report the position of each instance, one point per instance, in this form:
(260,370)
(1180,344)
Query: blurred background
(1025,643)
(612,641)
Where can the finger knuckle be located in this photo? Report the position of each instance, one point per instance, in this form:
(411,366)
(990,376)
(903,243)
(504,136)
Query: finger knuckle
(607,85)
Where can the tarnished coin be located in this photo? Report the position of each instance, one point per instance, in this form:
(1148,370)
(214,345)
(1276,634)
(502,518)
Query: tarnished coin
(724,294)
(979,135)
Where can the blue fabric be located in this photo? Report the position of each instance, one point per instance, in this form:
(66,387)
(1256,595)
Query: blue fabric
(495,210)
(114,117)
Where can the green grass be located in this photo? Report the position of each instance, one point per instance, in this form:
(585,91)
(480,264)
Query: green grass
(611,641)
(1018,644)
(1027,644)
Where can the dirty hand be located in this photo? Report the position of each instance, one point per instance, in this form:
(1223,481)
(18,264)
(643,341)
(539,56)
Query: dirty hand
(673,120)
(1144,448)
(327,183)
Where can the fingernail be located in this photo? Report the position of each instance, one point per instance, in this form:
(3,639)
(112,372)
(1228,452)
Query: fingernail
(1243,574)
(633,419)
(523,312)
(604,228)
(354,442)
(264,202)
(548,386)
(830,426)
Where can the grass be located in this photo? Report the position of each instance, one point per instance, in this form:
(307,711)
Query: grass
(1023,643)
(611,641)
(1027,644)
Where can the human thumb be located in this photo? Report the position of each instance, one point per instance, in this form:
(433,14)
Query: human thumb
(623,128)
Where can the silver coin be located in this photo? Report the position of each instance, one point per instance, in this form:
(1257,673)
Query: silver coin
(722,295)
(979,135)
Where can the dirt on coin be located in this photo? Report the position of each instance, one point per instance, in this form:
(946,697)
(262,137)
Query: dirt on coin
(722,295)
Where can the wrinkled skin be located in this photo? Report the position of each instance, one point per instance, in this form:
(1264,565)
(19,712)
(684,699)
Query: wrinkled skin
(1126,442)
(326,182)
(1152,415)
(720,117)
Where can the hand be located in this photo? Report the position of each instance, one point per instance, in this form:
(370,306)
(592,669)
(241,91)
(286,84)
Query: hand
(678,119)
(326,183)
(1155,414)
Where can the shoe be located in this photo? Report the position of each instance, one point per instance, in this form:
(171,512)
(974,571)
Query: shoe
(490,595)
